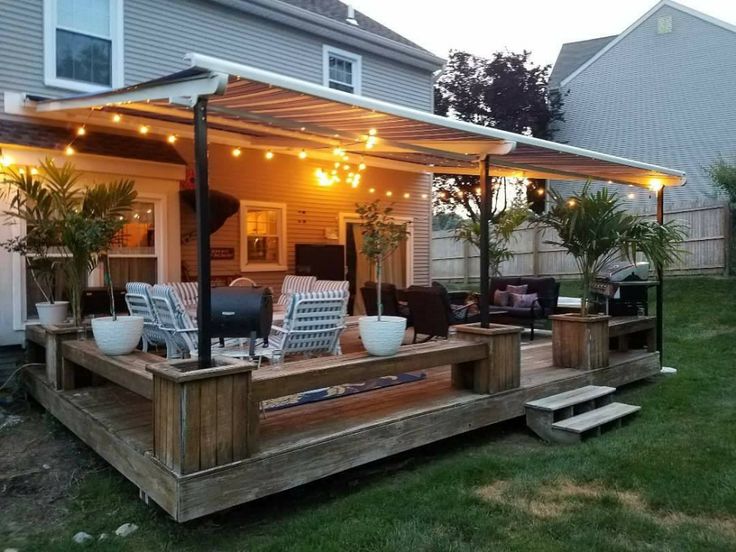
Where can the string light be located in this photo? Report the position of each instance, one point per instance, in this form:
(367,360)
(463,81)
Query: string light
(424,196)
(21,171)
(337,164)
(346,167)
(372,132)
(477,190)
(571,202)
(237,152)
(361,167)
(303,154)
(370,142)
(6,160)
(171,138)
(81,131)
(540,191)
(371,190)
(143,129)
(69,151)
(407,195)
(338,152)
(389,194)
(117,118)
(269,155)
(631,195)
(34,171)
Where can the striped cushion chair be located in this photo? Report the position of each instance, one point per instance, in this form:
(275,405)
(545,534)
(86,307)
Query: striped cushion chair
(138,299)
(331,285)
(174,321)
(312,325)
(295,284)
(188,293)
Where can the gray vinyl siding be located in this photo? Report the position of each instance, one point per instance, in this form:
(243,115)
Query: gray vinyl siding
(666,99)
(158,34)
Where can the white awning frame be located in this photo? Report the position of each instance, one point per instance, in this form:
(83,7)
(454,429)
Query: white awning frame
(426,141)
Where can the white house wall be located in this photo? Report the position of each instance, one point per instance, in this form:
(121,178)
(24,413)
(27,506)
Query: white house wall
(667,98)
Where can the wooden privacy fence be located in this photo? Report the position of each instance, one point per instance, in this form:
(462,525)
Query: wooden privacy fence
(705,249)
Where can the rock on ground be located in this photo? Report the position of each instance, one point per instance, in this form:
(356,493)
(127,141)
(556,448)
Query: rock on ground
(126,529)
(82,537)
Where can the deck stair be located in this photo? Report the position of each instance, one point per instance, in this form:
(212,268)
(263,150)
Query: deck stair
(570,416)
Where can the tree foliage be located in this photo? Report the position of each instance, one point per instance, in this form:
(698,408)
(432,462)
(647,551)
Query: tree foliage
(506,91)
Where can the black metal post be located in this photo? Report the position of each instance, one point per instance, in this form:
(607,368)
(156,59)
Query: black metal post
(201,177)
(485,218)
(660,280)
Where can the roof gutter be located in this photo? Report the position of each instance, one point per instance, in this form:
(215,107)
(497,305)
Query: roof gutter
(325,27)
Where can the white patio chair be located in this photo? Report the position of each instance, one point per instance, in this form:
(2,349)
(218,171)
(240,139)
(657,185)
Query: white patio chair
(331,285)
(180,329)
(188,293)
(138,299)
(312,325)
(294,284)
(243,282)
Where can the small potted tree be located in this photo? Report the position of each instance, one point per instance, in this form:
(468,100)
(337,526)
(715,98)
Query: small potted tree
(382,235)
(595,229)
(87,234)
(33,204)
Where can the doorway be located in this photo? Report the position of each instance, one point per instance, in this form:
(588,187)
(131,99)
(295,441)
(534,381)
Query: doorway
(398,269)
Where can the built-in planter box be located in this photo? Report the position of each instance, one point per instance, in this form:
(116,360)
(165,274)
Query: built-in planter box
(580,341)
(43,345)
(500,369)
(203,418)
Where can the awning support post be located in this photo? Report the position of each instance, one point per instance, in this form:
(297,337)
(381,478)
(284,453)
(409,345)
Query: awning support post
(201,178)
(485,220)
(660,280)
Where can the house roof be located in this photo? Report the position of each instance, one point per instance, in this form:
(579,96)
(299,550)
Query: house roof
(611,43)
(272,111)
(572,55)
(58,138)
(337,10)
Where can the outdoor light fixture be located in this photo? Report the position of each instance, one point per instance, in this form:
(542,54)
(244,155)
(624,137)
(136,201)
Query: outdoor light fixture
(6,160)
(143,129)
(571,202)
(372,132)
(407,195)
(116,118)
(655,184)
(389,194)
(338,152)
(81,131)
(303,154)
(269,155)
(237,152)
(34,171)
(69,151)
(361,167)
(371,190)
(171,139)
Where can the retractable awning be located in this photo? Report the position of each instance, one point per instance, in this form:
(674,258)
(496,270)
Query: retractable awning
(279,112)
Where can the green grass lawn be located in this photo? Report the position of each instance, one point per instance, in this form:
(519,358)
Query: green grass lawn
(666,481)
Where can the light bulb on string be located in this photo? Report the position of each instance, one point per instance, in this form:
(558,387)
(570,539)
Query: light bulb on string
(171,138)
(237,152)
(269,155)
(361,167)
(81,131)
(116,118)
(144,129)
(69,151)
(303,154)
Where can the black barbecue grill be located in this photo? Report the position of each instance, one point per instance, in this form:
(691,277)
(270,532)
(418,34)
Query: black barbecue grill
(242,312)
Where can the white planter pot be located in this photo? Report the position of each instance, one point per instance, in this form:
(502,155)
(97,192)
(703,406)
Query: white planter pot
(382,338)
(52,314)
(117,337)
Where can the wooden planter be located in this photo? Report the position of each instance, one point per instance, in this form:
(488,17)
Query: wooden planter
(203,418)
(580,341)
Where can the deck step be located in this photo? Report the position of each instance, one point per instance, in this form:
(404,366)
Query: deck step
(595,418)
(570,398)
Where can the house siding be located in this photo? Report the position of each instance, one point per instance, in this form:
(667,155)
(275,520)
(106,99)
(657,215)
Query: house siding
(662,98)
(158,34)
(310,209)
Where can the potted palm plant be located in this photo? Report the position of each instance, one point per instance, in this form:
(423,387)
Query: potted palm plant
(33,204)
(382,235)
(595,229)
(87,234)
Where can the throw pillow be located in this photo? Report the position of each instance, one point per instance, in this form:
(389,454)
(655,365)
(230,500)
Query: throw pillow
(523,300)
(517,289)
(501,298)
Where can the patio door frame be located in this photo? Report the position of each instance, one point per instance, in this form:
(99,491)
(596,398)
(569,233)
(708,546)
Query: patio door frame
(345,218)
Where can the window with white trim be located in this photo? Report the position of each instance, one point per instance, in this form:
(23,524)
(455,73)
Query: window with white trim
(262,236)
(83,44)
(342,70)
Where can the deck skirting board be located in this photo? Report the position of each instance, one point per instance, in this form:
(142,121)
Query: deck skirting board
(206,492)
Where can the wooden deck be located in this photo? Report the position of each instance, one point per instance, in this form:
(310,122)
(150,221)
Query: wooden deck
(307,442)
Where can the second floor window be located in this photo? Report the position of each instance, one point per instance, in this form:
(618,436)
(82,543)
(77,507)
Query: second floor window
(342,70)
(83,43)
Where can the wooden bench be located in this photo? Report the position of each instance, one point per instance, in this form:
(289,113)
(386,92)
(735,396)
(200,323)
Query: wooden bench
(622,328)
(43,345)
(128,371)
(189,437)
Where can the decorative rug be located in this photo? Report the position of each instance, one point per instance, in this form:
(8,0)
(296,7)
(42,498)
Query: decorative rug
(337,391)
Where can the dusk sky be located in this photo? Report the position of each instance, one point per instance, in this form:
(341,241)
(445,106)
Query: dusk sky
(542,26)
